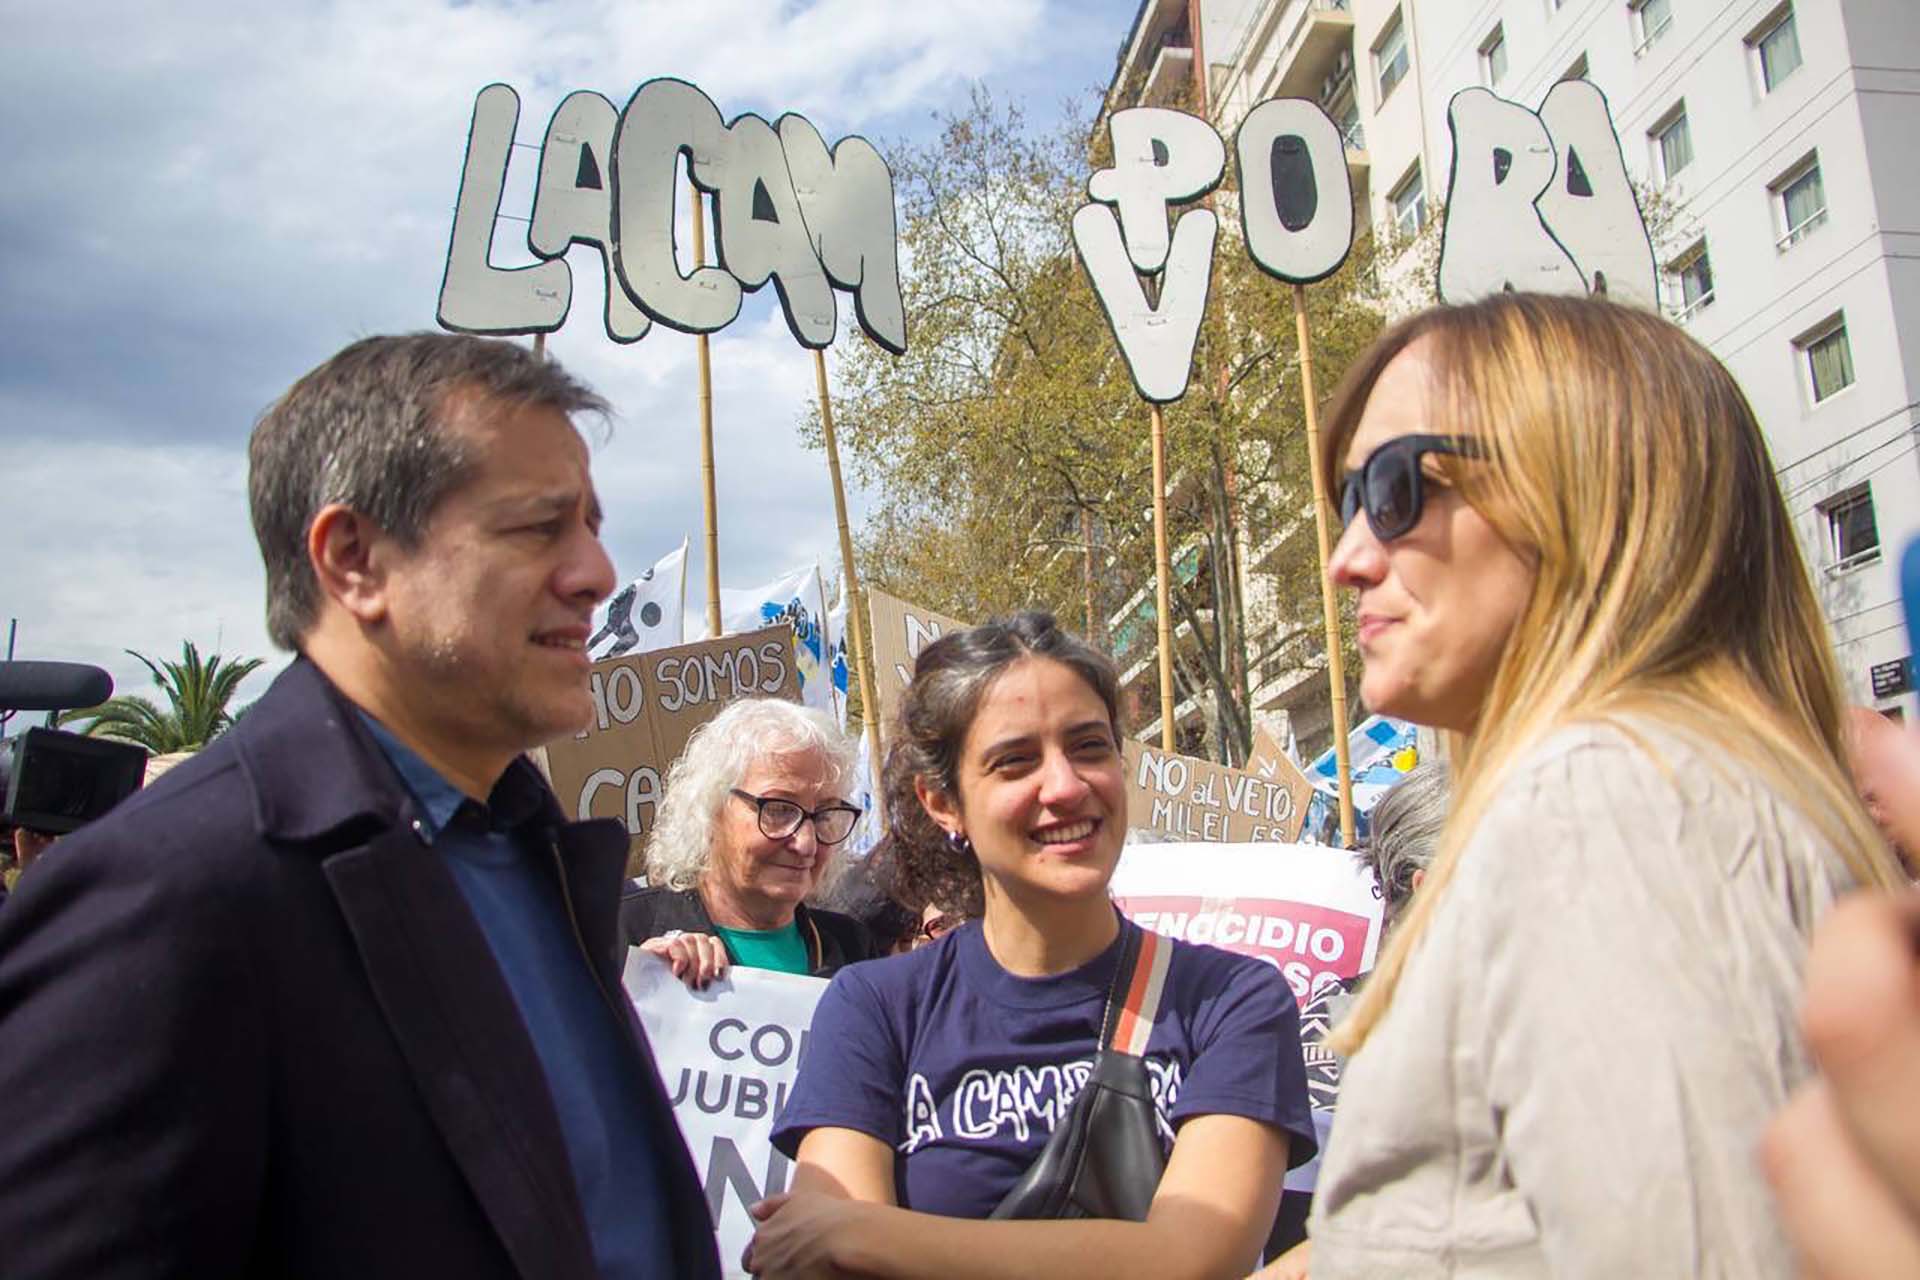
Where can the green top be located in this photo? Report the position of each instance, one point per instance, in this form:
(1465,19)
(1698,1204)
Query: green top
(781,950)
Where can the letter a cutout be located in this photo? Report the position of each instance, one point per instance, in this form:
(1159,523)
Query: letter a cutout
(1591,206)
(573,204)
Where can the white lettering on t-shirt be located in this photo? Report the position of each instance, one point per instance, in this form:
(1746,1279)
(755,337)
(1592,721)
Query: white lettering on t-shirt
(1023,1099)
(923,1118)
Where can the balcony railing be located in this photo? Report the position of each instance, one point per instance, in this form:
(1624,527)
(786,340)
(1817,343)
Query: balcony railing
(1799,232)
(1687,312)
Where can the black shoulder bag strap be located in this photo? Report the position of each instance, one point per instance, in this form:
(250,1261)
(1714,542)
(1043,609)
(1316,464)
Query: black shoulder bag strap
(1104,1158)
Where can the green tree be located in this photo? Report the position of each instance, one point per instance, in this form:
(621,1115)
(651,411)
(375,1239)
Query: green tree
(1010,452)
(197,690)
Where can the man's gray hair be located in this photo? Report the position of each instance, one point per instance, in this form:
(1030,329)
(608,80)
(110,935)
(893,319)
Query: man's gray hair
(719,754)
(1406,827)
(368,429)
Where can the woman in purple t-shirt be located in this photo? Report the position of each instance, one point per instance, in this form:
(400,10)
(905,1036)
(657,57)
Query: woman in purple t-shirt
(931,1081)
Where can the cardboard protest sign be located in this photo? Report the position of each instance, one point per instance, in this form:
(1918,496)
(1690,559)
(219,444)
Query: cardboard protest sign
(1311,911)
(1296,205)
(729,1056)
(900,632)
(1541,201)
(1195,799)
(788,209)
(1161,158)
(646,706)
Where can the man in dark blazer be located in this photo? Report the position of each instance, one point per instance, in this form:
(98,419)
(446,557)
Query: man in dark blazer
(339,997)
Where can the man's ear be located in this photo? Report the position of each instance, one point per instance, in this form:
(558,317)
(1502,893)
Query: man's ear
(342,546)
(940,806)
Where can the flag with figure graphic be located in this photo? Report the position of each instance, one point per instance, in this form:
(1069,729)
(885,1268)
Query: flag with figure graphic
(795,598)
(837,651)
(645,614)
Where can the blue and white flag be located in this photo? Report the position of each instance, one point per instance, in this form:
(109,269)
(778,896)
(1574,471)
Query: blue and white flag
(837,651)
(1372,749)
(796,598)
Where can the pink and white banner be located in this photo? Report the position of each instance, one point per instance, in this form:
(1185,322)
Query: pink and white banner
(1311,911)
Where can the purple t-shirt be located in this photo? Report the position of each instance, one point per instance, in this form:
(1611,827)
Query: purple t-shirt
(964,1069)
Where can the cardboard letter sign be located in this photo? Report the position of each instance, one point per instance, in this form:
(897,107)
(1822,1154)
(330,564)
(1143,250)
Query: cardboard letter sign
(645,707)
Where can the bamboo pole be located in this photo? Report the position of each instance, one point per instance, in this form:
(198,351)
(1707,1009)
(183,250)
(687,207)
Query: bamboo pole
(1163,577)
(1336,675)
(706,431)
(850,581)
(1086,533)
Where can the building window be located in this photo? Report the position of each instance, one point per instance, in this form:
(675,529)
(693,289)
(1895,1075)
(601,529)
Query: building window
(1350,131)
(1409,201)
(1493,56)
(1829,358)
(1390,56)
(1802,200)
(1650,21)
(1776,48)
(1578,71)
(1690,281)
(1853,536)
(1672,144)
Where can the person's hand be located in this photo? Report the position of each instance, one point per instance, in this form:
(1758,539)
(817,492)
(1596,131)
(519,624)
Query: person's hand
(696,958)
(1886,771)
(1291,1265)
(28,845)
(1844,1154)
(797,1232)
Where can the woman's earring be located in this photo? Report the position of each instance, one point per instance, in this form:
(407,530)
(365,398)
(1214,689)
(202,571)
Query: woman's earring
(957,840)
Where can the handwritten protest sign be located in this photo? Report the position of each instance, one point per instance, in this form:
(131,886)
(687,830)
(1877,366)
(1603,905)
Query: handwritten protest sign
(1311,911)
(729,1056)
(900,632)
(646,706)
(1197,799)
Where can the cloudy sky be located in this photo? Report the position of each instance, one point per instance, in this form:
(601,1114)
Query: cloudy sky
(202,202)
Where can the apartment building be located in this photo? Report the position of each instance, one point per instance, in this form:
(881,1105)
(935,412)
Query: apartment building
(1772,130)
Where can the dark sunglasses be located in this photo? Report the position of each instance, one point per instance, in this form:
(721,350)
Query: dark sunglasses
(1389,484)
(779,818)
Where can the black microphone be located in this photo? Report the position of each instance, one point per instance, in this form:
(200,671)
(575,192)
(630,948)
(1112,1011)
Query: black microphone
(52,686)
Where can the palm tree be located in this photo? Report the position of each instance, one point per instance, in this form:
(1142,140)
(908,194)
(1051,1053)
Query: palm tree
(197,693)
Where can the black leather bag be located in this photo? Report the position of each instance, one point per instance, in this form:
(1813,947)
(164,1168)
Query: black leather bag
(1104,1160)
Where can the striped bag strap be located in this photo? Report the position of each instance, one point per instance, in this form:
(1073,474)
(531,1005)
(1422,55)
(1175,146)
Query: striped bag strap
(1130,1026)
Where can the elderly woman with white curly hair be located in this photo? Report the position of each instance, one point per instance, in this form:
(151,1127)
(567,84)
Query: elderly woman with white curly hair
(754,818)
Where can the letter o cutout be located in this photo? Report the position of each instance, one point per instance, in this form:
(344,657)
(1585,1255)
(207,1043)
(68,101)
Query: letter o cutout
(1296,198)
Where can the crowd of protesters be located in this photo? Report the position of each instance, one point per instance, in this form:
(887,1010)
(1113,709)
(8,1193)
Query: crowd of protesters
(340,995)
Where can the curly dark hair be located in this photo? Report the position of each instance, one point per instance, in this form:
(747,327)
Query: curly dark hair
(950,677)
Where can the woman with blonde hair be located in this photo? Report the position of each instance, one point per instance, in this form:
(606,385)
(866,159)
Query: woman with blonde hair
(1569,552)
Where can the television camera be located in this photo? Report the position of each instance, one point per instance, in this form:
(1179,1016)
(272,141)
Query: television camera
(53,781)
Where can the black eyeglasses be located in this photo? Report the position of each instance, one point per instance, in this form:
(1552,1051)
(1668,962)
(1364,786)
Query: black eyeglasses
(1390,486)
(779,818)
